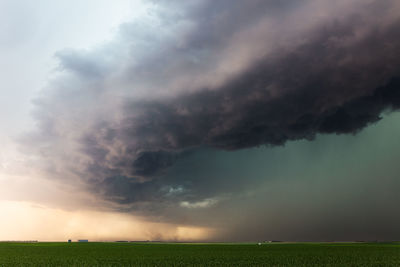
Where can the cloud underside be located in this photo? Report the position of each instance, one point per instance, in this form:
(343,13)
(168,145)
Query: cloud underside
(226,76)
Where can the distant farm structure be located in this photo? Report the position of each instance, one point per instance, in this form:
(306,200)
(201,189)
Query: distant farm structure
(83,240)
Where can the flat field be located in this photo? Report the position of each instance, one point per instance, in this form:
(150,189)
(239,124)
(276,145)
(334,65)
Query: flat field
(177,254)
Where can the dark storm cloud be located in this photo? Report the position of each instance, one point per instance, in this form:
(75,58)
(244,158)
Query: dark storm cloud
(225,75)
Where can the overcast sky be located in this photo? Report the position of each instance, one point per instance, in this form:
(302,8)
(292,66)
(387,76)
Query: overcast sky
(202,120)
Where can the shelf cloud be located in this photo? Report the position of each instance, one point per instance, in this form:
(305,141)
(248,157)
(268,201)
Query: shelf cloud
(211,76)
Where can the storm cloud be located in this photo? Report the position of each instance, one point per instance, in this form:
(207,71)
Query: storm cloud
(212,75)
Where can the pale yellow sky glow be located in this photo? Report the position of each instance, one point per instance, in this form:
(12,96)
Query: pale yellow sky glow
(38,209)
(29,221)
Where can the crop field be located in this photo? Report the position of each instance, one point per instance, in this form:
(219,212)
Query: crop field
(176,254)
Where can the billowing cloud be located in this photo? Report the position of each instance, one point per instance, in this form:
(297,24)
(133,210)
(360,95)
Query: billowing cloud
(222,75)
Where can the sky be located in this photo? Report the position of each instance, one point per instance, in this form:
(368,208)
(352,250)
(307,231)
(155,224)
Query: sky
(200,120)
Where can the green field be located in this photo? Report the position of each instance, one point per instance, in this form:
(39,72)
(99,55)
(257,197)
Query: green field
(164,254)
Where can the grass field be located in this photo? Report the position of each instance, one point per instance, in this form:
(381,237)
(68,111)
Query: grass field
(164,254)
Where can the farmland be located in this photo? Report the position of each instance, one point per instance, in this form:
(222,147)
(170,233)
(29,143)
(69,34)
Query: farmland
(178,254)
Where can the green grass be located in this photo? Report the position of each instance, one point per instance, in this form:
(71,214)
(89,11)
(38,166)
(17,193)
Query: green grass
(163,254)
